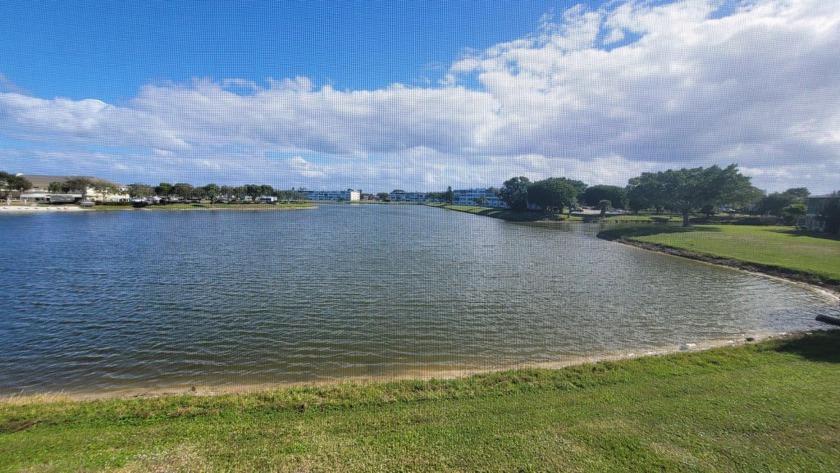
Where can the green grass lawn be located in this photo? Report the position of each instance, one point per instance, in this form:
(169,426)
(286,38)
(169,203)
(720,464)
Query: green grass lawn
(771,406)
(780,247)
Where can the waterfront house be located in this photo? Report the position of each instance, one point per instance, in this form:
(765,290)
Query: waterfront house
(39,196)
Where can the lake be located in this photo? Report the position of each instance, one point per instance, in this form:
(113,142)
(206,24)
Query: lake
(134,300)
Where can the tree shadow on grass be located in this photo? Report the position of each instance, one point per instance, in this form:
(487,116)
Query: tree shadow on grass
(649,230)
(516,216)
(802,233)
(821,346)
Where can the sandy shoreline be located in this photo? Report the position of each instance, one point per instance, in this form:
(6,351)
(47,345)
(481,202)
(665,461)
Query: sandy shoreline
(17,209)
(199,389)
(33,209)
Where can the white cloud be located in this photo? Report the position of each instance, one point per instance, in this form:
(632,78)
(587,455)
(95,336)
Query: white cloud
(757,87)
(304,168)
(753,86)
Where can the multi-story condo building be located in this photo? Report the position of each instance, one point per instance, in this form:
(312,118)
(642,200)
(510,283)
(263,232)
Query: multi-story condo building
(347,195)
(403,196)
(482,197)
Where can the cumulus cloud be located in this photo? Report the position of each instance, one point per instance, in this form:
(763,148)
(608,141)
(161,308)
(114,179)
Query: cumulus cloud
(85,122)
(691,89)
(305,168)
(598,95)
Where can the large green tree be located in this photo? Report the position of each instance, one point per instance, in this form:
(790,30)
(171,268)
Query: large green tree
(106,187)
(289,196)
(604,205)
(449,195)
(775,203)
(514,193)
(164,189)
(687,190)
(212,192)
(792,213)
(800,193)
(80,185)
(140,190)
(617,196)
(10,182)
(182,190)
(554,193)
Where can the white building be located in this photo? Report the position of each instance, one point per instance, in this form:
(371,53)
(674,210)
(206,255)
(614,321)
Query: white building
(349,195)
(102,191)
(36,196)
(403,196)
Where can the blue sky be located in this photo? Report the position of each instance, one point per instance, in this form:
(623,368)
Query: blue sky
(419,95)
(108,50)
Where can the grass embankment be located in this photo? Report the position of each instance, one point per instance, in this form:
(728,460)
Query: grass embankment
(770,406)
(780,251)
(509,215)
(721,219)
(630,218)
(543,216)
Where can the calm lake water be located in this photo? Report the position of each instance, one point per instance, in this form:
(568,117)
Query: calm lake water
(149,300)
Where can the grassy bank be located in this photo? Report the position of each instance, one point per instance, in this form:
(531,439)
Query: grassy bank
(630,218)
(509,215)
(721,219)
(770,406)
(781,251)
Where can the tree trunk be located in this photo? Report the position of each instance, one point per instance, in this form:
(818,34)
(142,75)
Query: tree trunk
(685,216)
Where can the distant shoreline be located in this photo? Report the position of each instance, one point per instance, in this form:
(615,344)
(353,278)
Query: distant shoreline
(20,209)
(35,209)
(215,207)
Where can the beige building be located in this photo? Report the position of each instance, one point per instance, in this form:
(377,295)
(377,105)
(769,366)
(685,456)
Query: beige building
(102,190)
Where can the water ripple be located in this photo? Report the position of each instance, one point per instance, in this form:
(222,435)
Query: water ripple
(156,299)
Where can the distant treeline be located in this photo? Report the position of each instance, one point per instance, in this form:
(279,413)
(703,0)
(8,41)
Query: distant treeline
(213,192)
(684,191)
